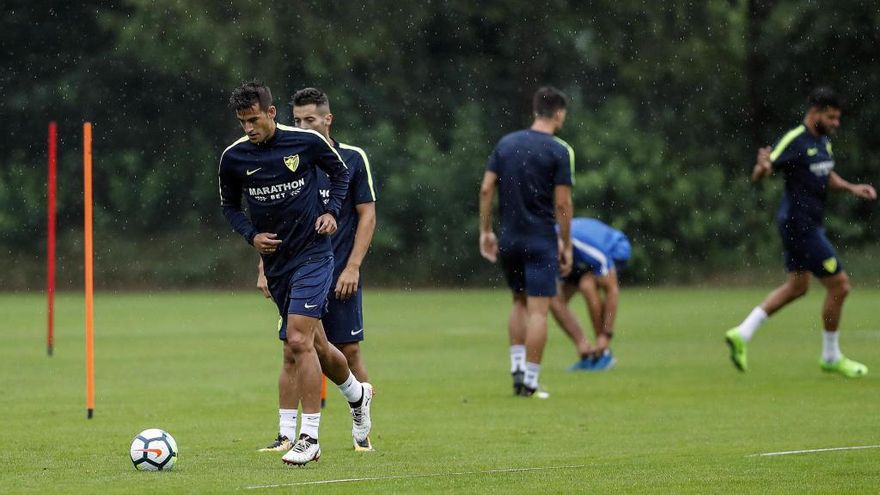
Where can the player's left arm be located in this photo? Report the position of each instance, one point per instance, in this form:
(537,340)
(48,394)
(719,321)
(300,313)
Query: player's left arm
(864,191)
(564,212)
(348,280)
(331,163)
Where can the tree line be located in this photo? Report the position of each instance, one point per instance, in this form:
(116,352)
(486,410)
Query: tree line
(669,102)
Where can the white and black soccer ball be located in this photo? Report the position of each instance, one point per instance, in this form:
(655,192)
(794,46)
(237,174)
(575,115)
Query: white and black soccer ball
(153,450)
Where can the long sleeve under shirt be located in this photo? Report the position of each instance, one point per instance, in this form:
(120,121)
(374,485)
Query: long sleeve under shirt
(279,181)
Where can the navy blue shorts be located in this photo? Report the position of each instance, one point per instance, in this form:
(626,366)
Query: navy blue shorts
(530,269)
(577,271)
(303,292)
(344,321)
(807,249)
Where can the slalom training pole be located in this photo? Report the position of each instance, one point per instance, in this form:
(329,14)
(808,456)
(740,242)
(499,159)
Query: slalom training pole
(50,236)
(90,320)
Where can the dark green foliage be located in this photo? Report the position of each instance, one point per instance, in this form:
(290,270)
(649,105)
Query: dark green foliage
(669,102)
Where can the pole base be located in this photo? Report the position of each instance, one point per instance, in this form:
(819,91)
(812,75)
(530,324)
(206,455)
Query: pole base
(90,413)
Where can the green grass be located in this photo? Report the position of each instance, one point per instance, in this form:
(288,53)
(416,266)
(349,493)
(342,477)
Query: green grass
(673,417)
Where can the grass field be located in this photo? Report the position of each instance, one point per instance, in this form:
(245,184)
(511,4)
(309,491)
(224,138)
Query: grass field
(673,417)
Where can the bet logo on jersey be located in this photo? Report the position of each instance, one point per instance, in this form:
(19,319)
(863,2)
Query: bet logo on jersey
(291,162)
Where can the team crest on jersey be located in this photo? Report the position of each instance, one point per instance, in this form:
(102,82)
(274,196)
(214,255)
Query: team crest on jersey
(830,265)
(291,162)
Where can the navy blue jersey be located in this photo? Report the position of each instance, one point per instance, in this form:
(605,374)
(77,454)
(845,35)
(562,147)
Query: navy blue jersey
(279,180)
(806,161)
(360,190)
(529,165)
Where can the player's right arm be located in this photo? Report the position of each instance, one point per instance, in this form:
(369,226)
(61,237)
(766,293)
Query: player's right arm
(763,165)
(488,241)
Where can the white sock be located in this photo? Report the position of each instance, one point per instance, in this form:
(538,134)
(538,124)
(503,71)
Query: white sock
(531,378)
(310,423)
(517,358)
(287,423)
(750,325)
(351,388)
(830,347)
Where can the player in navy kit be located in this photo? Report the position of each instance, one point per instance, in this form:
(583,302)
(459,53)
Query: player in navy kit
(532,170)
(276,168)
(599,251)
(343,322)
(806,160)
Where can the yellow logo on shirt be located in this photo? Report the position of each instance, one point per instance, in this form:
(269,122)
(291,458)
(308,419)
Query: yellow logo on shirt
(812,151)
(830,265)
(292,162)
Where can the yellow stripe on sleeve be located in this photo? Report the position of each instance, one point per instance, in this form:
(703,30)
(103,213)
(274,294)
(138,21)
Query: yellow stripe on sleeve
(785,141)
(570,156)
(363,154)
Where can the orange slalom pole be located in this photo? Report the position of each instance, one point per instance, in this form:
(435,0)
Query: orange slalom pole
(90,331)
(323,390)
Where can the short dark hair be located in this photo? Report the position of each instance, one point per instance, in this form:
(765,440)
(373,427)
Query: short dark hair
(249,93)
(547,101)
(310,96)
(824,97)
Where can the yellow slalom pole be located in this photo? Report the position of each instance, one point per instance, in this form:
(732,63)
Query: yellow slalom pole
(90,320)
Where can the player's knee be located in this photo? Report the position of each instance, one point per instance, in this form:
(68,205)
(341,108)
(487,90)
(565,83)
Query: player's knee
(299,343)
(841,288)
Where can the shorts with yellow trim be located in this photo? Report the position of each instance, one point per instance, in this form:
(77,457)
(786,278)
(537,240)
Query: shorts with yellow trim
(808,249)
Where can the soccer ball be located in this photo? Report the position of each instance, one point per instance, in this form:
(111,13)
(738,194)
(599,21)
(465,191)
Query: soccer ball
(153,450)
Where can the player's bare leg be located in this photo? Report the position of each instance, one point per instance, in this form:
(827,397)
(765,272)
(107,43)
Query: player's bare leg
(516,331)
(352,353)
(838,288)
(288,403)
(737,338)
(536,338)
(358,394)
(832,359)
(566,319)
(795,286)
(301,340)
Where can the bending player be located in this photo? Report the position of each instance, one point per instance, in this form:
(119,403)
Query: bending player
(805,158)
(599,250)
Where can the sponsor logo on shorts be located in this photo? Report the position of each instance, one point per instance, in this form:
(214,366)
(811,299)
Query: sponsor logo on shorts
(830,265)
(310,306)
(357,332)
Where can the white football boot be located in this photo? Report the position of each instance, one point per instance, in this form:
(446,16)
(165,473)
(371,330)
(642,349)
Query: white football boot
(305,450)
(361,424)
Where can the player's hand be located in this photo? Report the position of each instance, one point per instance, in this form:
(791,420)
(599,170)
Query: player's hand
(489,246)
(347,283)
(763,164)
(566,260)
(864,191)
(262,283)
(325,224)
(266,243)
